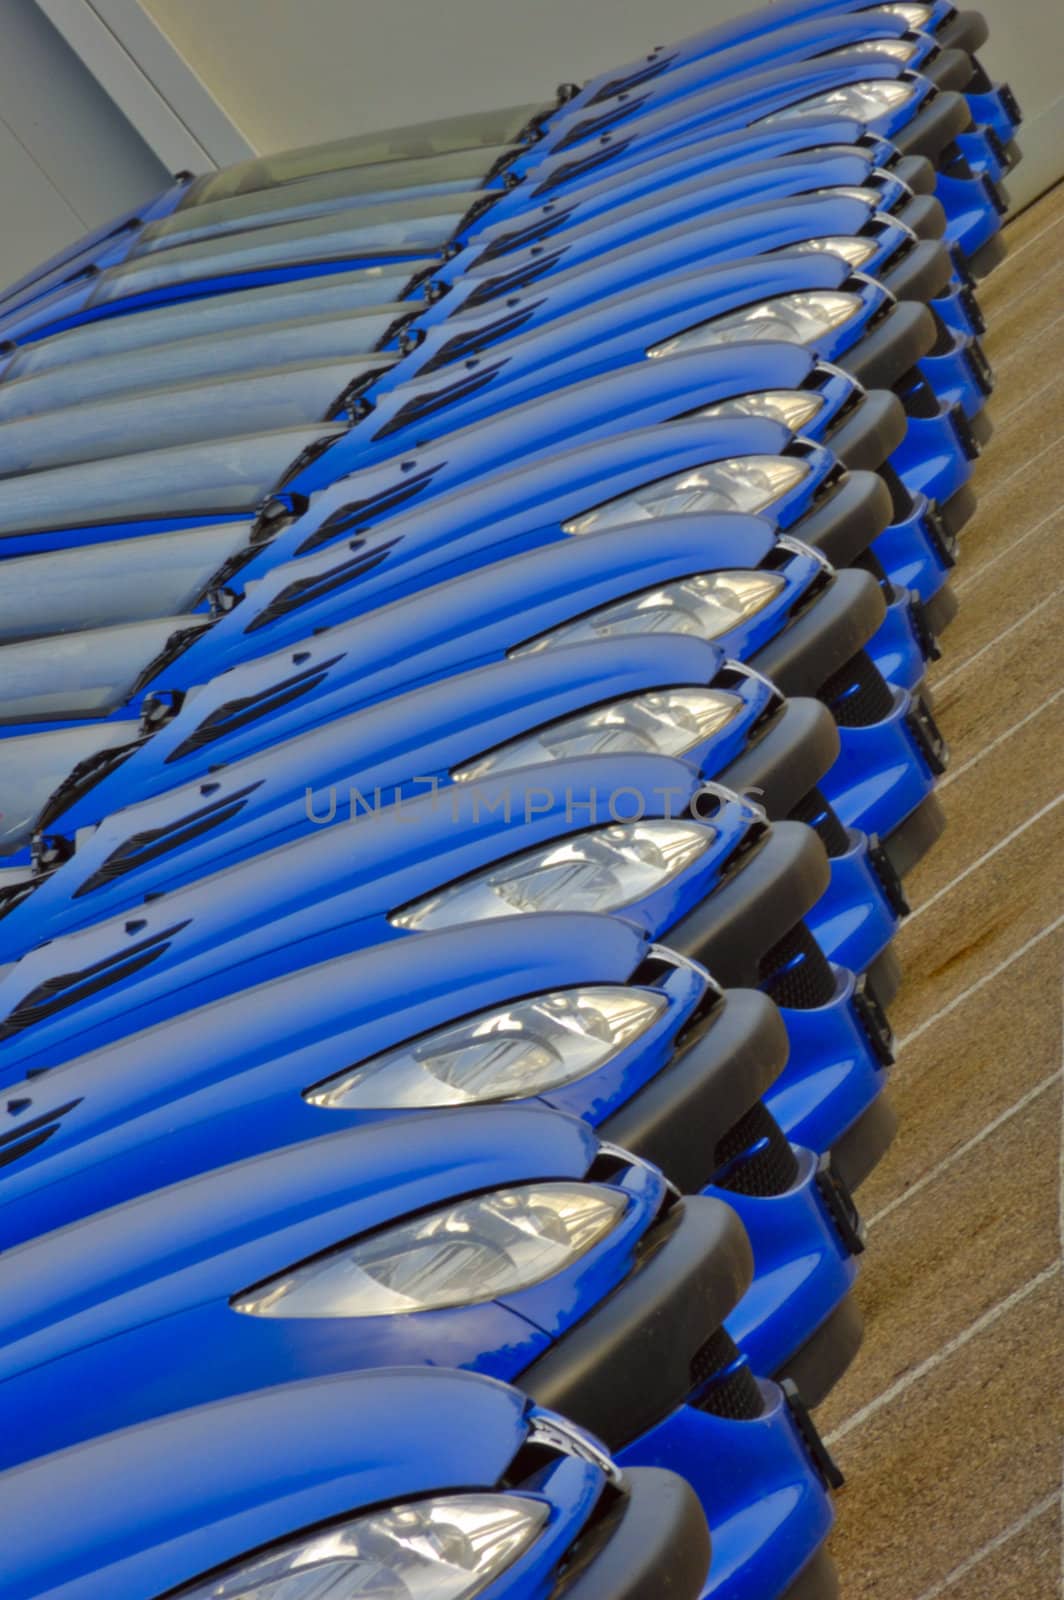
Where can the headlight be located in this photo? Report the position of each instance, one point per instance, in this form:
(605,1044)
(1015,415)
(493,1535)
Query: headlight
(853,250)
(864,102)
(472,1251)
(795,408)
(915,16)
(667,722)
(700,607)
(448,1548)
(595,871)
(897,49)
(747,483)
(522,1049)
(798,318)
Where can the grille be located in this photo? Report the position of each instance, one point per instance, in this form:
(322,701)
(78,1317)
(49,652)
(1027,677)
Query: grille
(756,1155)
(151,843)
(361,514)
(238,713)
(21,1141)
(795,973)
(464,345)
(818,814)
(726,1386)
(857,694)
(70,988)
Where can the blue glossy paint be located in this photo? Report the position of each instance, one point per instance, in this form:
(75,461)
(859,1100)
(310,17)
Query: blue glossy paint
(833,1073)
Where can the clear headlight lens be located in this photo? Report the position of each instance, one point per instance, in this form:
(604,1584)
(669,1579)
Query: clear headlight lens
(522,1049)
(700,607)
(864,102)
(795,408)
(853,250)
(746,483)
(666,722)
(448,1548)
(915,16)
(600,870)
(798,318)
(897,49)
(468,1252)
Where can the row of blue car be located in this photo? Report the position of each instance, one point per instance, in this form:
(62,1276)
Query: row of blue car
(463,739)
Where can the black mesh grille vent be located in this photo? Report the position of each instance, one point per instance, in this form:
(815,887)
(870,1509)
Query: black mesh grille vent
(652,69)
(31,1135)
(477,339)
(425,405)
(306,590)
(728,1387)
(234,714)
(795,973)
(577,169)
(70,988)
(360,514)
(151,843)
(756,1155)
(520,238)
(857,694)
(597,125)
(818,814)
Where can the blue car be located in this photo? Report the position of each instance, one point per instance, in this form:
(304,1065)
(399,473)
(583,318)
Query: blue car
(529,1252)
(778,607)
(731,892)
(674,696)
(441,1479)
(579,1012)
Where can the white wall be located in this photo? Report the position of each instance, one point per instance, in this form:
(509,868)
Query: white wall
(296,71)
(69,160)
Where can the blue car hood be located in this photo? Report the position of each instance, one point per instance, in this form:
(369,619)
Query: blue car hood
(391,751)
(150,1508)
(231,1075)
(333,892)
(438,631)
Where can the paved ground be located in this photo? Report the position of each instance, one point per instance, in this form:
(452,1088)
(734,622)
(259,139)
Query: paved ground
(949,1426)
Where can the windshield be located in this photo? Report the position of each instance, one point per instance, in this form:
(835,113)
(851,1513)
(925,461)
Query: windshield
(320,194)
(481,130)
(421,228)
(180,414)
(229,475)
(122,580)
(82,674)
(36,764)
(356,295)
(239,354)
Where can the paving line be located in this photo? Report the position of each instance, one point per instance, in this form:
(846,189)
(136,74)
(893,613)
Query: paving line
(980,861)
(992,1546)
(1021,405)
(1002,738)
(940,683)
(962,1150)
(1024,466)
(1018,349)
(980,983)
(976,573)
(950,1348)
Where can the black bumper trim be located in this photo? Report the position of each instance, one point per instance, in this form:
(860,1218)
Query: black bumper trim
(627,1365)
(923,275)
(819,1580)
(990,255)
(913,838)
(845,523)
(818,1364)
(917,172)
(941,609)
(788,760)
(966,30)
(658,1544)
(893,347)
(858,1151)
(733,928)
(824,637)
(925,216)
(958,510)
(936,126)
(951,69)
(873,431)
(679,1118)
